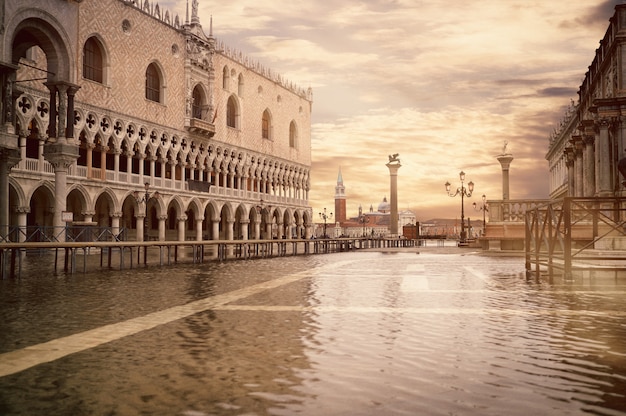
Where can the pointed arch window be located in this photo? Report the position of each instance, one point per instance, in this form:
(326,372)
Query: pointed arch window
(93,60)
(265,125)
(293,135)
(225,77)
(198,103)
(153,83)
(240,85)
(231,113)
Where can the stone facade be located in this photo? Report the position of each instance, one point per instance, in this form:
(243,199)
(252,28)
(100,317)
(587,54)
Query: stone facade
(588,144)
(107,102)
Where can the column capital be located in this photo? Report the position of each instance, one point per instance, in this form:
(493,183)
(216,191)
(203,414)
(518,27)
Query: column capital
(505,161)
(61,155)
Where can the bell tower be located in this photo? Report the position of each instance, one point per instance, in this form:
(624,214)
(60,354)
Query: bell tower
(340,199)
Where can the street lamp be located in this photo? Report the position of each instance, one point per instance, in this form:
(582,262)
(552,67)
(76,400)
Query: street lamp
(145,198)
(363,220)
(484,208)
(464,192)
(325,217)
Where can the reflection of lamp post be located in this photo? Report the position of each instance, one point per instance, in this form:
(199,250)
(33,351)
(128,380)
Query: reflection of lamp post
(325,217)
(484,208)
(145,198)
(363,220)
(464,192)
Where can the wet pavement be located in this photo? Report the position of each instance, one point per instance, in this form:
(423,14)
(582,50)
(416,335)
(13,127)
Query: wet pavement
(434,331)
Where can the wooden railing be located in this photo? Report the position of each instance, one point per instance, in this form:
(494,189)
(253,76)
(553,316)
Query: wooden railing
(576,234)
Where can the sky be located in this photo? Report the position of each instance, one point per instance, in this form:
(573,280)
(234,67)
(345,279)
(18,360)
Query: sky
(443,84)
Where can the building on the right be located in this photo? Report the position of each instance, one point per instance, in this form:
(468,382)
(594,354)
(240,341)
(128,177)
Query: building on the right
(583,226)
(585,149)
(584,155)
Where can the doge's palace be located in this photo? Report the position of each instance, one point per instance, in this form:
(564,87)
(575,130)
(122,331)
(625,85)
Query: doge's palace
(121,117)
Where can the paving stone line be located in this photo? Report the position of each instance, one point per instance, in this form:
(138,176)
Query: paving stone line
(22,359)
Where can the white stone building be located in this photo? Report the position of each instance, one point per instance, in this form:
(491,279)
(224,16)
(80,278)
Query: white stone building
(103,97)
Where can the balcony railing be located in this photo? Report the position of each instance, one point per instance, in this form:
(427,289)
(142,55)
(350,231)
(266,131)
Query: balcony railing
(512,210)
(32,165)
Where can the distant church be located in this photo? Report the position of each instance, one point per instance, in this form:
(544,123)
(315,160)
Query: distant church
(371,223)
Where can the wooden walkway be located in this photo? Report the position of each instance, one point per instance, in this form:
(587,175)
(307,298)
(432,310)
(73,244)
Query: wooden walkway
(72,257)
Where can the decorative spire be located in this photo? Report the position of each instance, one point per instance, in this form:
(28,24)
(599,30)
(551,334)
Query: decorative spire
(211,27)
(187,14)
(339,177)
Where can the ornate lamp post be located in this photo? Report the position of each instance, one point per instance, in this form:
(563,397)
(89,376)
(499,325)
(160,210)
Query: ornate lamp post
(484,208)
(145,198)
(325,217)
(464,192)
(364,220)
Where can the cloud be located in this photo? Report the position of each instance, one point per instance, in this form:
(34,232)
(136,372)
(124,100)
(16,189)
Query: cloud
(443,86)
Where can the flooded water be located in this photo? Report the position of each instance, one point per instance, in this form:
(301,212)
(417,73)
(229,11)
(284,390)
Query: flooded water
(359,333)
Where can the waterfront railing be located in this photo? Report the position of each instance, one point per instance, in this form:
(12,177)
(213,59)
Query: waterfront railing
(70,257)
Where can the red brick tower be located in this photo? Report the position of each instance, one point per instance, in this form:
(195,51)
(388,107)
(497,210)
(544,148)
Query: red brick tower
(340,200)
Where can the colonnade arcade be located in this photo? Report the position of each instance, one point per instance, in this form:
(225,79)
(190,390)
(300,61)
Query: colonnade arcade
(170,217)
(595,151)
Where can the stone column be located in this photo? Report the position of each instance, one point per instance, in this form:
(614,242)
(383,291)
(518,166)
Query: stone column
(244,229)
(140,217)
(173,164)
(22,221)
(182,221)
(569,160)
(182,175)
(116,164)
(279,230)
(61,155)
(578,166)
(215,222)
(115,224)
(8,159)
(9,140)
(257,229)
(393,165)
(602,151)
(268,229)
(162,221)
(229,230)
(505,160)
(62,89)
(89,148)
(52,124)
(199,229)
(103,162)
(589,168)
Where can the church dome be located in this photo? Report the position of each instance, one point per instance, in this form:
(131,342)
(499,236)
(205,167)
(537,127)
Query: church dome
(384,206)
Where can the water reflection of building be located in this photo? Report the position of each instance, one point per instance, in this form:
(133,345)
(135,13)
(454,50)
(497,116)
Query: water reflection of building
(102,97)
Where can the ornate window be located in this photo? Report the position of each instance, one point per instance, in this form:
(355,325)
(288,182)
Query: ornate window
(93,60)
(153,83)
(197,103)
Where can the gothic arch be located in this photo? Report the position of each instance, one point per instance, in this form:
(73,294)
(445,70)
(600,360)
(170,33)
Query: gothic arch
(30,27)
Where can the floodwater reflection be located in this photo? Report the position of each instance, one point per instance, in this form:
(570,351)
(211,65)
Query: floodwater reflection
(362,333)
